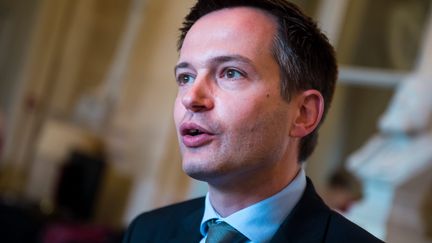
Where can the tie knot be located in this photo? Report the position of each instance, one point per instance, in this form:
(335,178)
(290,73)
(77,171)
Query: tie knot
(221,232)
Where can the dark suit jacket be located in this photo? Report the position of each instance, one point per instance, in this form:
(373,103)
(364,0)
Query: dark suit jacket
(310,221)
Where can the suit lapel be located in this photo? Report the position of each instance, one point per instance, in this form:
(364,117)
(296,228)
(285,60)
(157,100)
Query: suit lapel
(308,220)
(188,230)
(306,223)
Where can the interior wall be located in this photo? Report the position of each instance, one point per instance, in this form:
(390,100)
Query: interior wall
(16,25)
(388,40)
(143,118)
(34,80)
(71,49)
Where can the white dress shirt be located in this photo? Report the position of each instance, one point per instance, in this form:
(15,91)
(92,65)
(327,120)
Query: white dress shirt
(260,221)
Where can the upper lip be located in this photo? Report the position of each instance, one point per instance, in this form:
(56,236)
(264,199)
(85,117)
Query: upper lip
(186,128)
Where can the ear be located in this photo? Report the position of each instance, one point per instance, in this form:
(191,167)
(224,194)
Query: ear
(310,108)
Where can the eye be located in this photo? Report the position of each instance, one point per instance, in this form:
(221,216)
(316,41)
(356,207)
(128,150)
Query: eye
(231,73)
(184,78)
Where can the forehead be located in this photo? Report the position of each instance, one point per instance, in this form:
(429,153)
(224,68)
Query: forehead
(238,29)
(247,17)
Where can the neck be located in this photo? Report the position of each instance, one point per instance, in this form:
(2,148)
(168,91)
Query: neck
(234,195)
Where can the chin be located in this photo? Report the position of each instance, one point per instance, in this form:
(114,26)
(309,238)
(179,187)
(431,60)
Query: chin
(195,170)
(201,170)
(210,172)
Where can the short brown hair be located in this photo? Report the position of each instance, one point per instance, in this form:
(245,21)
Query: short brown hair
(304,55)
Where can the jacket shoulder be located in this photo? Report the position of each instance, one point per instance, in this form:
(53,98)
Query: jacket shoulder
(341,229)
(178,210)
(158,222)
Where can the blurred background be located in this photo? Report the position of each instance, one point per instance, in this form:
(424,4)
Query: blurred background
(87,140)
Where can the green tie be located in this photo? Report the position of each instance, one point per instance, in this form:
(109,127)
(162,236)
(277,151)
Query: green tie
(221,232)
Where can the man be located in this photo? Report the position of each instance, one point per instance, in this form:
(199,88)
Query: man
(255,79)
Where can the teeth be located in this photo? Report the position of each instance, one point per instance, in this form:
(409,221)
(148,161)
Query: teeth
(194,132)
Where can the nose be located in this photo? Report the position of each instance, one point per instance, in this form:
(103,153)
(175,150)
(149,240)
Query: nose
(199,96)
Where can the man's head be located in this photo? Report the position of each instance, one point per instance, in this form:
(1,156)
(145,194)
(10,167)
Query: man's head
(305,58)
(246,96)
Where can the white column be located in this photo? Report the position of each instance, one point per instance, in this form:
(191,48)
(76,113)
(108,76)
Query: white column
(331,16)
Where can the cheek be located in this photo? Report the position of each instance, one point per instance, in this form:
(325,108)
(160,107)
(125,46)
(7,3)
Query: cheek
(262,116)
(244,110)
(178,111)
(237,112)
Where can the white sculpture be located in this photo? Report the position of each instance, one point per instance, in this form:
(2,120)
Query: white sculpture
(404,142)
(395,165)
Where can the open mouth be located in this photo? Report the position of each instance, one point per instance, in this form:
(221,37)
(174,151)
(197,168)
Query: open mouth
(194,132)
(195,136)
(191,129)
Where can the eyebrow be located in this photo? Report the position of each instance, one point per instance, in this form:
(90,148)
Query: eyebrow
(182,65)
(218,60)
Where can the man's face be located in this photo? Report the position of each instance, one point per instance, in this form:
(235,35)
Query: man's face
(230,117)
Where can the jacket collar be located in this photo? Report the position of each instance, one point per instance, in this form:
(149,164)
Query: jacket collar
(308,220)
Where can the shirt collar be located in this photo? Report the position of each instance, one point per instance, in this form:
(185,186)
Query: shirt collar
(260,221)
